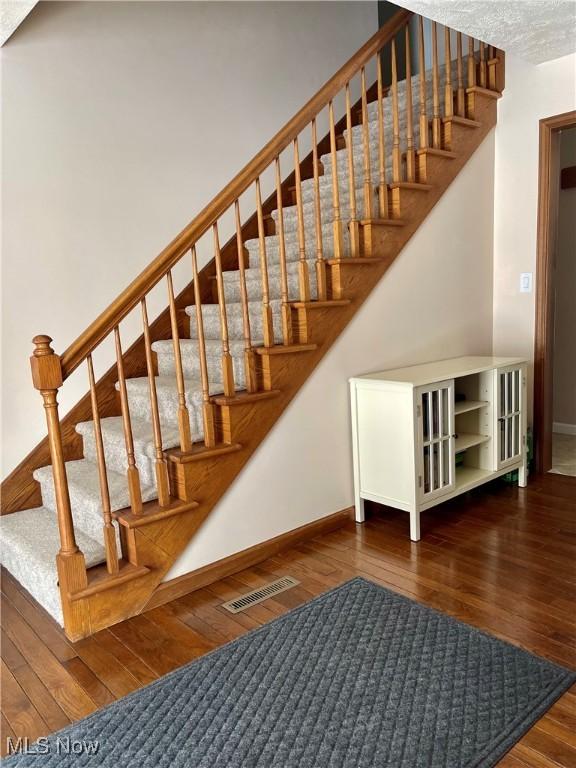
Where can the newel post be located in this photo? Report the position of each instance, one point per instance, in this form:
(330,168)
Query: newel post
(47,379)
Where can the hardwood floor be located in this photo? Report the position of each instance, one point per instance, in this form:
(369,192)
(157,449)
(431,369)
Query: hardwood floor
(501,558)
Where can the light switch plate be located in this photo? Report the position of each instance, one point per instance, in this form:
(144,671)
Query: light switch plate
(526,282)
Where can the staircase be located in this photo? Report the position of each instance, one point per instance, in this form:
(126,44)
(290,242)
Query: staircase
(96,515)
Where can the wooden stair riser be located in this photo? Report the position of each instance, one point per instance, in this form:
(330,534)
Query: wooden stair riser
(429,167)
(378,239)
(186,477)
(450,134)
(348,277)
(270,366)
(406,203)
(476,99)
(453,133)
(308,323)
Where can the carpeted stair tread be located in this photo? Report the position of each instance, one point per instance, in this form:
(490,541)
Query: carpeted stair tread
(115,444)
(166,387)
(211,320)
(189,347)
(293,248)
(30,541)
(84,490)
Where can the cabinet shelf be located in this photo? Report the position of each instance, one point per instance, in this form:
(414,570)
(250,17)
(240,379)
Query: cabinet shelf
(465,440)
(463,406)
(469,477)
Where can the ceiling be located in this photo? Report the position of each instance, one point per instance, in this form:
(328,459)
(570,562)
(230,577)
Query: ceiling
(12,14)
(533,30)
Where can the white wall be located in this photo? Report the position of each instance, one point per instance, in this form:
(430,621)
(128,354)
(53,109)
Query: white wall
(434,302)
(120,121)
(532,93)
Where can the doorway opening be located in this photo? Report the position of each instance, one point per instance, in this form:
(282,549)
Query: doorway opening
(555,336)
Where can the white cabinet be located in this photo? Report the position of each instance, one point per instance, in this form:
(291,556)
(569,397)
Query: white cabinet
(427,433)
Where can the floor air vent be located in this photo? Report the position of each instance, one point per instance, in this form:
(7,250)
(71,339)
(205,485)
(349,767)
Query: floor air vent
(258,595)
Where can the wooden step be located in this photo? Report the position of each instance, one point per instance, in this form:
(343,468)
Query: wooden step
(285,349)
(412,186)
(465,122)
(152,512)
(327,304)
(431,152)
(200,452)
(99,580)
(484,92)
(245,398)
(359,261)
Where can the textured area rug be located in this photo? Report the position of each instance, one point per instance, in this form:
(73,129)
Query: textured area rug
(358,677)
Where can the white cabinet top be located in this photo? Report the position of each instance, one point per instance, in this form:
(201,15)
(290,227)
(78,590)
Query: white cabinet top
(439,370)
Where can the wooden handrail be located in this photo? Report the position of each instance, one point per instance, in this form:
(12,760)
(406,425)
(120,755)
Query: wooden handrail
(138,288)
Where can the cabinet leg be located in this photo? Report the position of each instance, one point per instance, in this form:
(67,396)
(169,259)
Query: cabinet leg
(415,525)
(523,476)
(359,513)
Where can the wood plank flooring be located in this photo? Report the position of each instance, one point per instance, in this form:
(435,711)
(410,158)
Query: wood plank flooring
(501,558)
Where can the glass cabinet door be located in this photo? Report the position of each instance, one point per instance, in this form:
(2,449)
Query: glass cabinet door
(509,393)
(435,444)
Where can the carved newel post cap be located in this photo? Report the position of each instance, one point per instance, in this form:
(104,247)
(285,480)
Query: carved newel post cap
(42,344)
(45,364)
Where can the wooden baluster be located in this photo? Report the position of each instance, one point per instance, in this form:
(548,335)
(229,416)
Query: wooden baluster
(286,309)
(410,152)
(207,406)
(337,222)
(353,226)
(448,92)
(303,276)
(396,155)
(109,531)
(460,93)
(161,467)
(320,263)
(471,63)
(422,83)
(227,367)
(249,359)
(267,325)
(368,193)
(382,190)
(483,79)
(183,415)
(436,122)
(496,70)
(132,472)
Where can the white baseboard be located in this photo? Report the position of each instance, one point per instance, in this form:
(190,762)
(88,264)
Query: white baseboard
(564,429)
